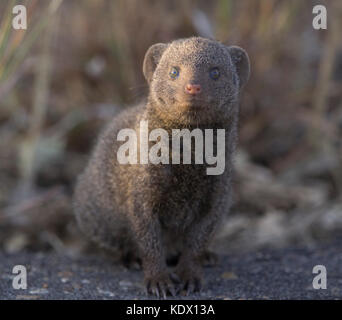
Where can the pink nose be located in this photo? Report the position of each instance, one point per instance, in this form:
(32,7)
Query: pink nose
(193,88)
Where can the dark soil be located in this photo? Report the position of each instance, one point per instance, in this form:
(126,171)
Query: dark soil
(267,274)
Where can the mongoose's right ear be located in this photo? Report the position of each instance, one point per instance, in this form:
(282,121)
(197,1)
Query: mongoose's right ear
(151,59)
(242,64)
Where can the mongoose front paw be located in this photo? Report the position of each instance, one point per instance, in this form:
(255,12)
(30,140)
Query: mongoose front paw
(161,285)
(191,279)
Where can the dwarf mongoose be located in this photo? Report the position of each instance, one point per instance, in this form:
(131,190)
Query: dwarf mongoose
(147,210)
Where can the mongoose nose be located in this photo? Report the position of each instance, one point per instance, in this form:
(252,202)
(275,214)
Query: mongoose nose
(193,88)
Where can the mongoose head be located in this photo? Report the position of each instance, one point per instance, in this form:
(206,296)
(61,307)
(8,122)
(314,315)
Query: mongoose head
(195,80)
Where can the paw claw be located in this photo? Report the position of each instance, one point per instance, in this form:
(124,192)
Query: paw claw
(160,286)
(190,287)
(155,291)
(172,291)
(191,280)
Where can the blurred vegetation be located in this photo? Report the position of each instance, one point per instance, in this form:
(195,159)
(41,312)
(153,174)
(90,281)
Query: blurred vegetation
(80,62)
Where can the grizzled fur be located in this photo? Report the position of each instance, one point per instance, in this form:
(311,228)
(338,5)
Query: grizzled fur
(146,210)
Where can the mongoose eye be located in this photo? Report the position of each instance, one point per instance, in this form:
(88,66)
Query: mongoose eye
(174,73)
(214,73)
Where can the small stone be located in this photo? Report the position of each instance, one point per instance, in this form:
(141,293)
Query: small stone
(39,291)
(105,292)
(229,275)
(125,283)
(65,274)
(76,286)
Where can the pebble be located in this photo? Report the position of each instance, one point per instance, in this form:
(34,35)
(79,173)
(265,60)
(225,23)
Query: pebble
(125,283)
(39,291)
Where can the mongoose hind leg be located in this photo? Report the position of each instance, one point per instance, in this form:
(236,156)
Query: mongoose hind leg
(189,275)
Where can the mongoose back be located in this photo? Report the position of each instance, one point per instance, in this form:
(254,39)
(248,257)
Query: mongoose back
(146,211)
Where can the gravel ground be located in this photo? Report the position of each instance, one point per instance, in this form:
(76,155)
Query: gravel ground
(267,274)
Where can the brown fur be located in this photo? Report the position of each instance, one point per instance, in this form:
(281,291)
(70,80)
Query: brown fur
(148,210)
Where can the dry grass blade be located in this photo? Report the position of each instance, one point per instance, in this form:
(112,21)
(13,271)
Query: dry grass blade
(21,48)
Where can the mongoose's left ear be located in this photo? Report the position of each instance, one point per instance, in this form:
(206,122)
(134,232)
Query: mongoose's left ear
(241,61)
(151,60)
